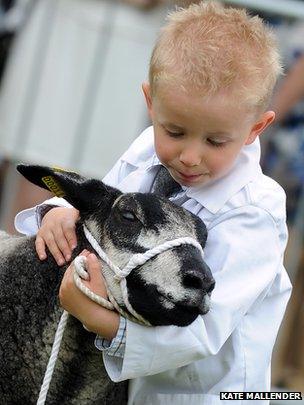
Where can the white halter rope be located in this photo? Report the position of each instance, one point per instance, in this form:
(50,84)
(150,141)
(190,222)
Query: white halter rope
(120,275)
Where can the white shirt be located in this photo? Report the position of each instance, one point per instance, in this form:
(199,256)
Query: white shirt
(228,349)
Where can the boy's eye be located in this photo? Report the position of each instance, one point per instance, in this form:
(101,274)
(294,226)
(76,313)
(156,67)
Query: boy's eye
(215,143)
(174,134)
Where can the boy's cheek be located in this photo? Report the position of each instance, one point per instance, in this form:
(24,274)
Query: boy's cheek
(164,153)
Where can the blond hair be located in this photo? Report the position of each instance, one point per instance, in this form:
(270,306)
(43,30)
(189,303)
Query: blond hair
(210,48)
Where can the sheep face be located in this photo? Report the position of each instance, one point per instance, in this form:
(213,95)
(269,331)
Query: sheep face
(172,288)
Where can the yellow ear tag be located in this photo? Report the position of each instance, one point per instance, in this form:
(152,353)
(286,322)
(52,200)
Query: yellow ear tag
(53,186)
(58,169)
(61,170)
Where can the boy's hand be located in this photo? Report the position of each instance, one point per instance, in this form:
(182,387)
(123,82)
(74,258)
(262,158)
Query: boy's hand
(57,232)
(95,317)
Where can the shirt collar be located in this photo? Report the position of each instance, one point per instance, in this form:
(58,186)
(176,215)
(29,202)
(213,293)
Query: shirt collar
(214,195)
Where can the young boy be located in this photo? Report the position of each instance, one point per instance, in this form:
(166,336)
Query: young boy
(212,73)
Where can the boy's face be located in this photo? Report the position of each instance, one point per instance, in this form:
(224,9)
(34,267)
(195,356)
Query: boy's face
(198,139)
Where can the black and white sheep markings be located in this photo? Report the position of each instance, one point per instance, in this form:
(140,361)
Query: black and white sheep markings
(172,288)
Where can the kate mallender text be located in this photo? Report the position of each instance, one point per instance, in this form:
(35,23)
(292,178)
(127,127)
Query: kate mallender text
(261,395)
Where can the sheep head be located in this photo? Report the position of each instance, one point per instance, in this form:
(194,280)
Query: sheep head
(172,288)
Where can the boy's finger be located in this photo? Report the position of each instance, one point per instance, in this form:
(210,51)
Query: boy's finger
(96,283)
(85,253)
(53,248)
(62,243)
(40,247)
(93,264)
(70,234)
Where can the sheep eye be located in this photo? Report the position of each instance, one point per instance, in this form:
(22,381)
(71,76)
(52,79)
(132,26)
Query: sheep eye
(128,215)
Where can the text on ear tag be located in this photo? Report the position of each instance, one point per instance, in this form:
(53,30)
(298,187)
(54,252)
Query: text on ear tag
(53,186)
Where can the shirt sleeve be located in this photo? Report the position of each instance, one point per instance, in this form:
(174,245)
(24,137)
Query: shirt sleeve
(116,346)
(28,221)
(244,271)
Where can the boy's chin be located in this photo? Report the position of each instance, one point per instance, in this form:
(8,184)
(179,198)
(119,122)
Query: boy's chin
(194,184)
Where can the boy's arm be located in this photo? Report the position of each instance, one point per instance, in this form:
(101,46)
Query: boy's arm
(244,251)
(116,346)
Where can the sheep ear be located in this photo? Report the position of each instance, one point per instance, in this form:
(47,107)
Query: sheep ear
(53,179)
(84,194)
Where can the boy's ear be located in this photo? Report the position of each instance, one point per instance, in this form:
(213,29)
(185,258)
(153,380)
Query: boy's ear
(84,194)
(264,121)
(147,93)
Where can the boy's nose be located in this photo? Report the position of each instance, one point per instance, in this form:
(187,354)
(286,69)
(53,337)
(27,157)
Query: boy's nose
(190,157)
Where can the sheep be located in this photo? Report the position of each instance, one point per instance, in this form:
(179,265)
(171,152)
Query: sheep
(172,288)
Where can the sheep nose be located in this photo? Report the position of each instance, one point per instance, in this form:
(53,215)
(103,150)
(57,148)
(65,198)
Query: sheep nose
(201,282)
(191,280)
